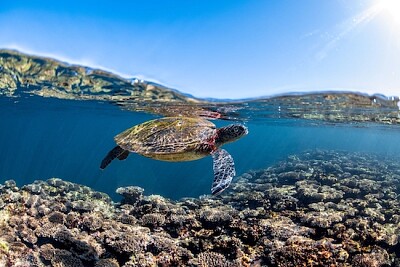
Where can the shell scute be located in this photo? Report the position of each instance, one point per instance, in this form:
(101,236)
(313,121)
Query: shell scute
(175,136)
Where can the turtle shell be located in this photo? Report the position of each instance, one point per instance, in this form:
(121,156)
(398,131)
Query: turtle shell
(170,138)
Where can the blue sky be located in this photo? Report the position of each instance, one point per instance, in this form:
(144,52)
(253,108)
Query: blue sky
(221,49)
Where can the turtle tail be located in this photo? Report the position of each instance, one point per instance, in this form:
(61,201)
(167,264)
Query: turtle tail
(116,152)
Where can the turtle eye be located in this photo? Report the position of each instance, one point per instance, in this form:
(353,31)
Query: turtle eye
(238,130)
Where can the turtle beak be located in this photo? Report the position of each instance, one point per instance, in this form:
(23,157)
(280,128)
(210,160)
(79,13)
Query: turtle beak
(242,130)
(245,130)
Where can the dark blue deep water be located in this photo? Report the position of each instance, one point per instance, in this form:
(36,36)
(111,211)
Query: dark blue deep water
(41,138)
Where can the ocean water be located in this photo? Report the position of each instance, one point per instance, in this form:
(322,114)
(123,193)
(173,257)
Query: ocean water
(46,137)
(317,184)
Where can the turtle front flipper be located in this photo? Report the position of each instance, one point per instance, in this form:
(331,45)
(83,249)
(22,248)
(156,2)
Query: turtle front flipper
(116,152)
(224,171)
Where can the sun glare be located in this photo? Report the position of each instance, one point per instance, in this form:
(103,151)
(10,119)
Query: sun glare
(391,7)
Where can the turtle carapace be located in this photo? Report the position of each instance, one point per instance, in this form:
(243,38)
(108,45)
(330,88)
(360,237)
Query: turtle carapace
(181,139)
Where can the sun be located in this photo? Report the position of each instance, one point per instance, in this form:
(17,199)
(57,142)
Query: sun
(390,7)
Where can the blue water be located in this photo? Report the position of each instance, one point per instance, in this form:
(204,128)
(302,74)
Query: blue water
(42,138)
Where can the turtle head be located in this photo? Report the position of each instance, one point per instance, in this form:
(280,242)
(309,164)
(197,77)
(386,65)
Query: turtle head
(230,133)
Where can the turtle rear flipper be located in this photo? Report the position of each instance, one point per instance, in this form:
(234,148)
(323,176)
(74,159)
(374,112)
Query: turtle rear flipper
(116,152)
(123,155)
(224,171)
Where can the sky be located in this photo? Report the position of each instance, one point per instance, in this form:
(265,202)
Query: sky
(219,49)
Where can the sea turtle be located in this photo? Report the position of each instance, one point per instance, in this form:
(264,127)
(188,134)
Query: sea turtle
(181,139)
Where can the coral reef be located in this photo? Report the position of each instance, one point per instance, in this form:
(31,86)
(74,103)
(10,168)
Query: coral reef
(318,208)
